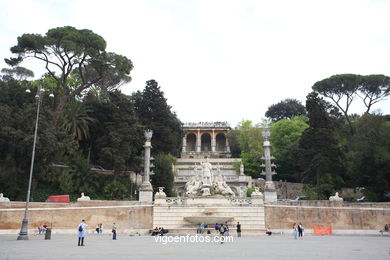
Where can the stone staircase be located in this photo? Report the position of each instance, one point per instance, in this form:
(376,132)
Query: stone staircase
(175,217)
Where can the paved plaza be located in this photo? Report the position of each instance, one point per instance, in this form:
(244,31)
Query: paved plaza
(145,247)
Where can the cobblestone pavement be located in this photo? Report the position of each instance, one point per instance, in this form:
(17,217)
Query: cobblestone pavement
(145,247)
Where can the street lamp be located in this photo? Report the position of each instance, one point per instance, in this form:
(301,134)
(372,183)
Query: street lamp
(23,234)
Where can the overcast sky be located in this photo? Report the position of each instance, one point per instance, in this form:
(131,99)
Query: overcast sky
(222,60)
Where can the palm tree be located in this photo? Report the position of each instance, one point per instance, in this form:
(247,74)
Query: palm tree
(75,120)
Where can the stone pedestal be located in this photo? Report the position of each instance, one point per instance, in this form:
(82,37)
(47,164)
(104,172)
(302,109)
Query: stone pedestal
(270,192)
(257,197)
(146,192)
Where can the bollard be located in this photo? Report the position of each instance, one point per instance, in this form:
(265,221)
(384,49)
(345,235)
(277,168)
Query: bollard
(48,234)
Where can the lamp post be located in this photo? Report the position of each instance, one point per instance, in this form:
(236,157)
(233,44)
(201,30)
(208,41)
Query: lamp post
(23,234)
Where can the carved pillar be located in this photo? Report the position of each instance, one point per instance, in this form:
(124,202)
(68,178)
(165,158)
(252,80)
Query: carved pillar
(184,144)
(227,144)
(213,141)
(146,190)
(198,142)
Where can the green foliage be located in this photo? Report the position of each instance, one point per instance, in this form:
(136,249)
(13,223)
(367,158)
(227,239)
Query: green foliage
(234,143)
(163,176)
(249,191)
(154,113)
(284,135)
(310,192)
(250,143)
(115,190)
(368,156)
(318,154)
(343,88)
(285,109)
(116,136)
(76,120)
(73,53)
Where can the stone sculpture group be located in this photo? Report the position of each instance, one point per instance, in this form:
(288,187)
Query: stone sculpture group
(206,183)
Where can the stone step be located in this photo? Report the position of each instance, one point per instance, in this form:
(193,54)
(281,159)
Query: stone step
(193,231)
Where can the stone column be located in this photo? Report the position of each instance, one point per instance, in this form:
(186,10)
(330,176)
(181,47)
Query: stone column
(227,144)
(213,141)
(184,144)
(269,189)
(146,189)
(198,142)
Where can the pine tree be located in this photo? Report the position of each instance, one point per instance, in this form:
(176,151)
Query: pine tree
(155,114)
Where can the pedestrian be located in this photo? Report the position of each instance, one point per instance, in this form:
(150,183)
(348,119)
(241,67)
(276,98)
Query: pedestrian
(268,231)
(226,229)
(238,229)
(300,230)
(202,226)
(222,233)
(97,228)
(101,228)
(81,228)
(114,231)
(216,227)
(295,231)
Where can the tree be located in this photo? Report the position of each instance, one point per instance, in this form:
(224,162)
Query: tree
(77,53)
(251,146)
(18,73)
(373,88)
(317,153)
(17,122)
(154,113)
(285,109)
(76,120)
(284,134)
(342,89)
(116,136)
(368,156)
(163,176)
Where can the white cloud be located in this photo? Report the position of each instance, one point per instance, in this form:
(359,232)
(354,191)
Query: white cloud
(223,60)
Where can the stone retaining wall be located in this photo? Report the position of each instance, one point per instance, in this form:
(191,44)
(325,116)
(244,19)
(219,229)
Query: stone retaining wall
(340,215)
(128,216)
(138,217)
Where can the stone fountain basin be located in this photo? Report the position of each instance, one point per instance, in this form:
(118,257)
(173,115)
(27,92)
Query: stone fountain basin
(207,219)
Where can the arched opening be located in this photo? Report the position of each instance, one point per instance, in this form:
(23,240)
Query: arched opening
(220,143)
(191,142)
(206,143)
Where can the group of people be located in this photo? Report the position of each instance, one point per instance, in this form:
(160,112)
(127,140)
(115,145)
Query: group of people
(42,229)
(385,229)
(201,228)
(81,228)
(298,230)
(159,231)
(99,228)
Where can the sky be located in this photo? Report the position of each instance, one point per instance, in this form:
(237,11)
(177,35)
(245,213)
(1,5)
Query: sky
(222,60)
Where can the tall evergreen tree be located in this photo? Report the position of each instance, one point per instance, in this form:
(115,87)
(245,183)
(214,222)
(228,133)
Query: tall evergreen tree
(163,176)
(318,154)
(368,157)
(115,136)
(154,113)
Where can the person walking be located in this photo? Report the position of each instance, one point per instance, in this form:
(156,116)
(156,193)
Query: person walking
(216,227)
(113,231)
(295,230)
(238,229)
(81,228)
(222,231)
(300,230)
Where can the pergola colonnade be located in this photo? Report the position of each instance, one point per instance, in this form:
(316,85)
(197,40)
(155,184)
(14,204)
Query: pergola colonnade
(205,141)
